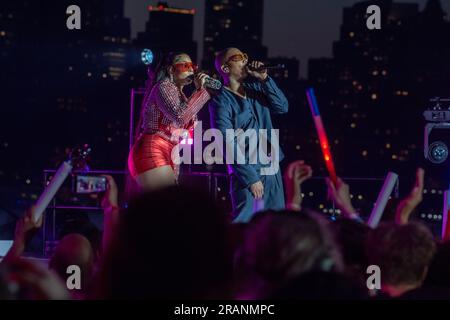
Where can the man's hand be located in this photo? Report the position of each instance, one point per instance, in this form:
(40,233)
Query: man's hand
(408,204)
(260,75)
(257,189)
(340,194)
(296,173)
(110,198)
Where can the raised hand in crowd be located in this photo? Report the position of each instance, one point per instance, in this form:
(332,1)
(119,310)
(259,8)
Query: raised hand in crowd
(296,173)
(414,198)
(111,210)
(25,229)
(340,195)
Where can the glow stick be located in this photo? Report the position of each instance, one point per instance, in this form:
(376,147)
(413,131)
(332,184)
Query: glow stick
(445,225)
(325,146)
(383,197)
(51,189)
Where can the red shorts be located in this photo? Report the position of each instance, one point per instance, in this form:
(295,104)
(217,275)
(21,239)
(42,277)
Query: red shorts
(150,151)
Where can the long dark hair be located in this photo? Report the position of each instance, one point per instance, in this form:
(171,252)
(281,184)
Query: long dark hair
(161,69)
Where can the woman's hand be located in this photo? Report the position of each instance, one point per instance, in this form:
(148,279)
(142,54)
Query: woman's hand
(199,80)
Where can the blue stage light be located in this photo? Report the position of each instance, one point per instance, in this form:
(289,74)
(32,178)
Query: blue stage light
(147,56)
(438,152)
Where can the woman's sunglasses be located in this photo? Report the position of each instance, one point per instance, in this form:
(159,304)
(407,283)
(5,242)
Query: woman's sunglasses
(185,66)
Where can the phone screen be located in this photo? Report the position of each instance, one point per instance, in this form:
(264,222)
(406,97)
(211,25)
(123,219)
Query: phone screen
(90,184)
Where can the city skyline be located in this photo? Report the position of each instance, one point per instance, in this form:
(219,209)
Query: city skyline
(315,23)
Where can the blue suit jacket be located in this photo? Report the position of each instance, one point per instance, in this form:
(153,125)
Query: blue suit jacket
(229,111)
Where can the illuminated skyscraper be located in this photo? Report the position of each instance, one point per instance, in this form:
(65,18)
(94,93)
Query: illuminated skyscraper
(169,29)
(235,23)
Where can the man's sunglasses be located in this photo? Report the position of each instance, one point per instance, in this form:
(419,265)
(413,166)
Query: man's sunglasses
(185,66)
(238,57)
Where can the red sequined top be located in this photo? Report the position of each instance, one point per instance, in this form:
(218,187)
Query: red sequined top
(166,110)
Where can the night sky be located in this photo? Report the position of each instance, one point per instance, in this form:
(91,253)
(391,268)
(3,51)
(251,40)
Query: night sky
(300,28)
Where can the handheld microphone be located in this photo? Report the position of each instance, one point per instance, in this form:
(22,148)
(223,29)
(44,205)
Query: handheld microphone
(209,82)
(268,66)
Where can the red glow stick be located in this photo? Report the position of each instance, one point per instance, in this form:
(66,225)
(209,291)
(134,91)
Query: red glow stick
(324,145)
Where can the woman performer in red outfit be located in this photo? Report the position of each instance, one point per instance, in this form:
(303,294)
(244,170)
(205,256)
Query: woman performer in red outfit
(166,111)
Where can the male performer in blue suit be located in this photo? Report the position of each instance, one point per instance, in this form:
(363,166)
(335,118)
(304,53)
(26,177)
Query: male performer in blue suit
(244,104)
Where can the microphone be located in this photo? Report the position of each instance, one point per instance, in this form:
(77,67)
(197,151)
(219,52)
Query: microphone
(268,66)
(209,82)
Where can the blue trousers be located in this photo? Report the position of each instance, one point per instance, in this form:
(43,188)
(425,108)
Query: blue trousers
(243,201)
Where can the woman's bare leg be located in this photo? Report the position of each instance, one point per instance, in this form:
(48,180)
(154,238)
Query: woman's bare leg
(157,178)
